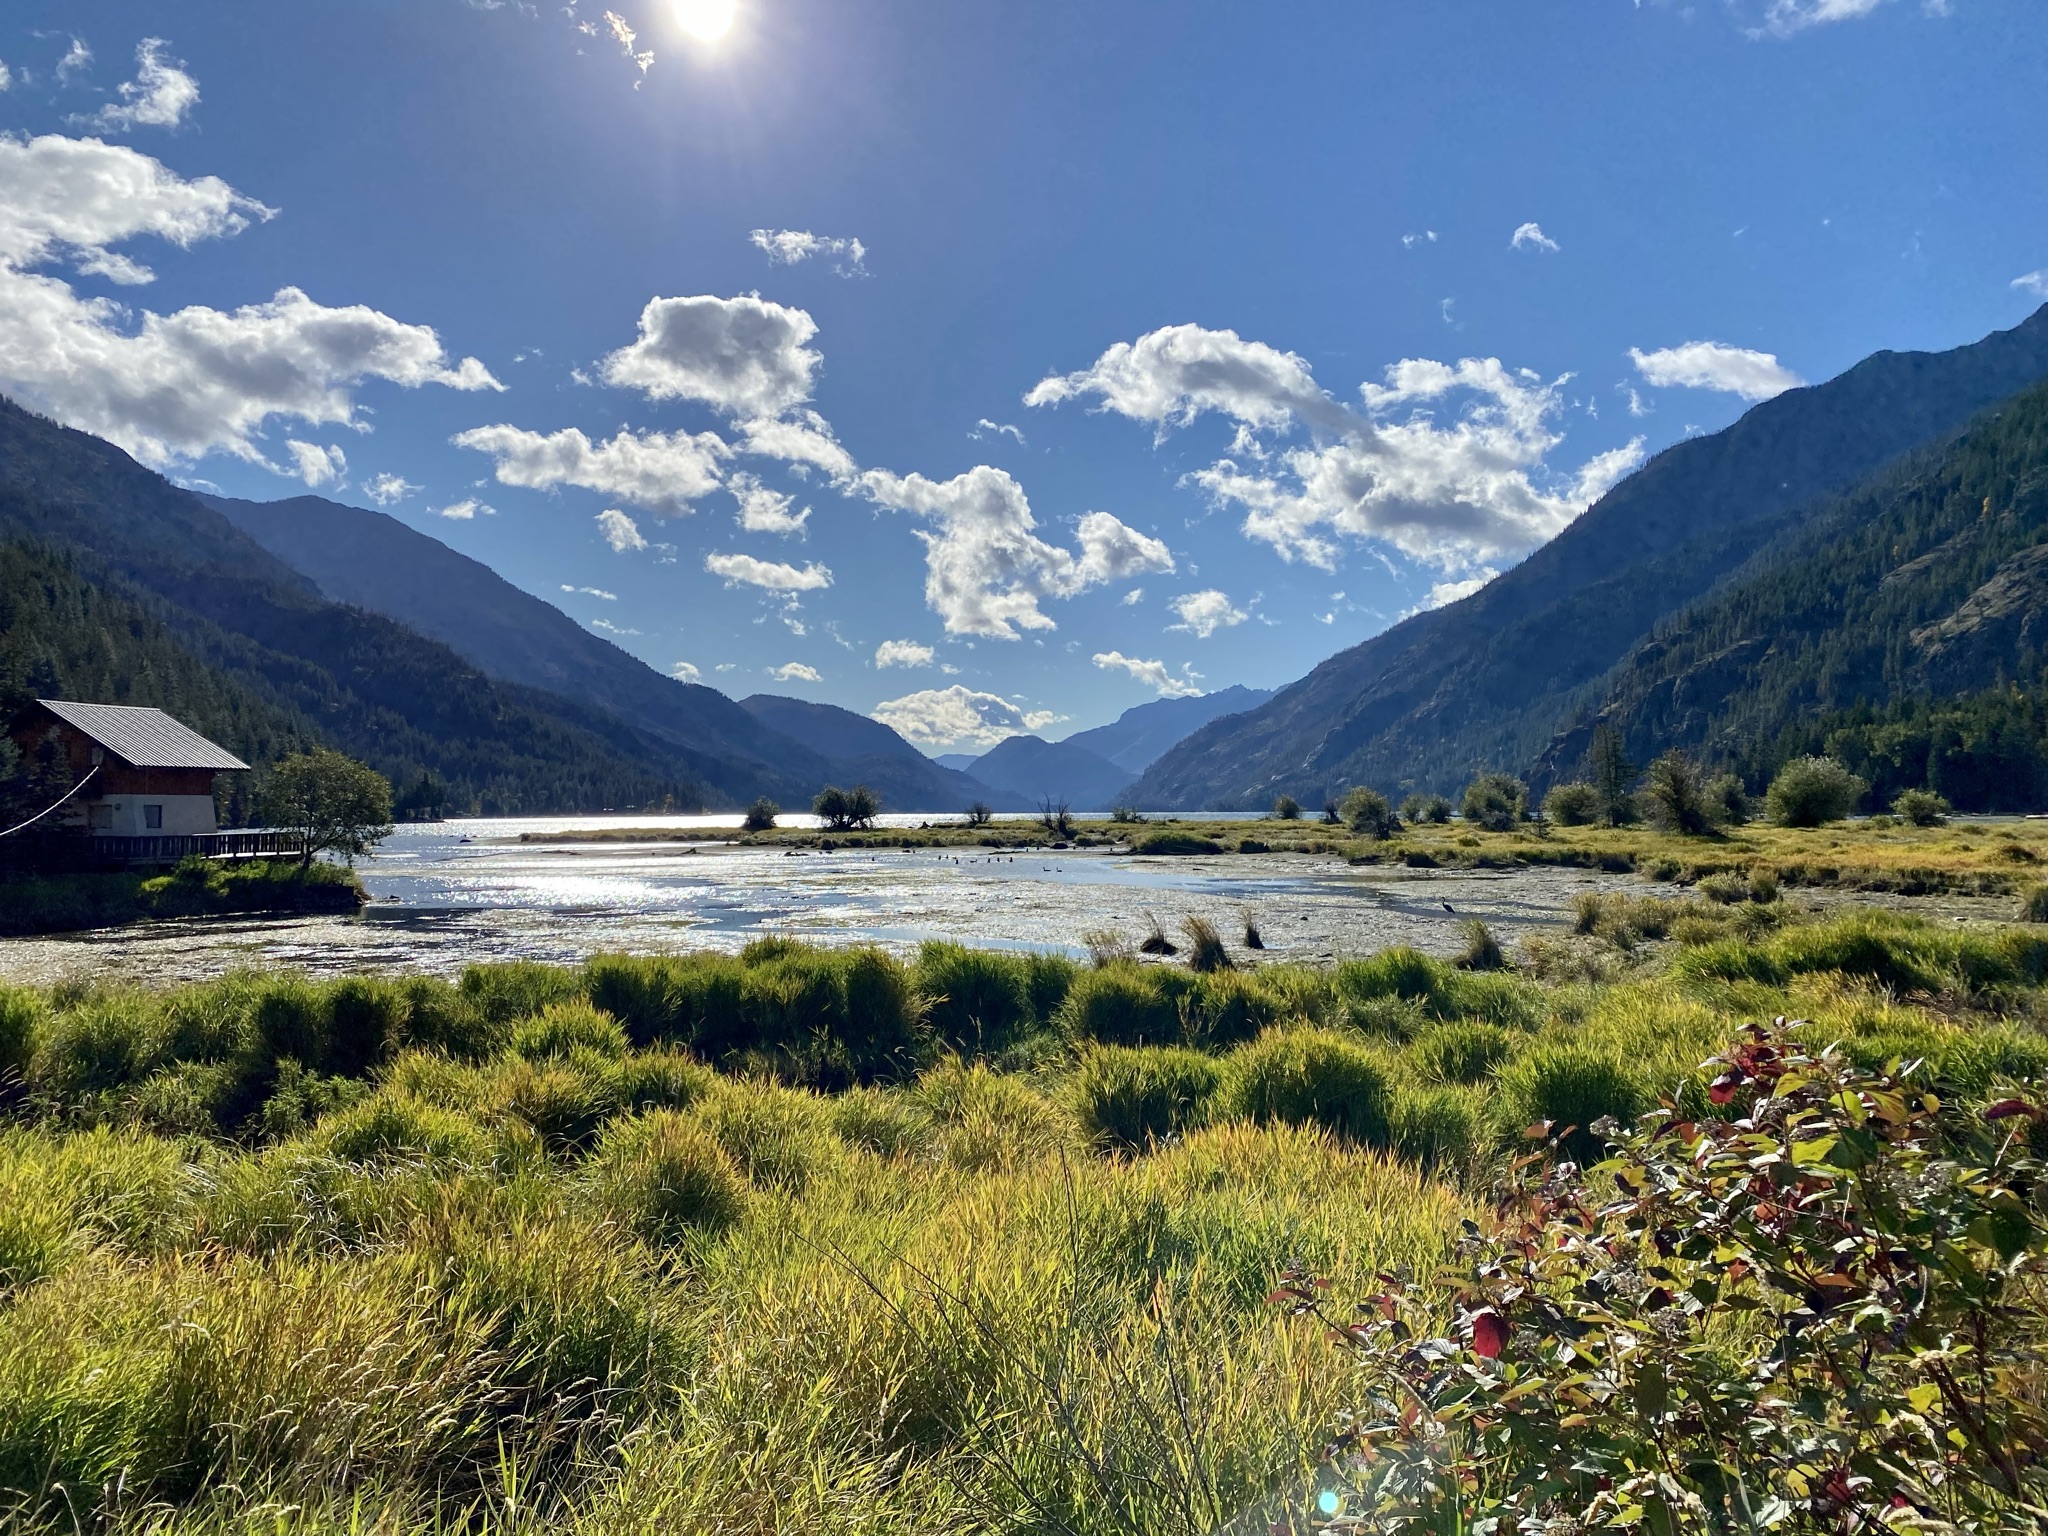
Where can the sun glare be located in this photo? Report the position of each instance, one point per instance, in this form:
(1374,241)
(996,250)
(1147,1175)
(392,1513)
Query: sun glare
(706,20)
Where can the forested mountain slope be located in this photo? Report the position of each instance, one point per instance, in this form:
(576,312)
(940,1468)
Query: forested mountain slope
(1929,582)
(1489,680)
(373,561)
(405,704)
(1138,737)
(865,751)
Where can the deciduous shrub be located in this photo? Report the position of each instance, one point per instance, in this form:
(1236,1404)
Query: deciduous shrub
(1728,800)
(1812,791)
(760,816)
(1922,807)
(1681,1345)
(1495,801)
(1573,805)
(1417,809)
(1366,812)
(1130,1098)
(1286,808)
(1308,1077)
(1677,796)
(665,1176)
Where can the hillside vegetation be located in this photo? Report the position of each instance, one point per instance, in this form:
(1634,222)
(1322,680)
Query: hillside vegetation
(807,1240)
(1926,584)
(1490,680)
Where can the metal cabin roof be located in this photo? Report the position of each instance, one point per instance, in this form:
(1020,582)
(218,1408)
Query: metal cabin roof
(145,738)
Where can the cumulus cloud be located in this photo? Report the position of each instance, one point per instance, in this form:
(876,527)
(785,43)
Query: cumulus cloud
(684,672)
(315,465)
(170,388)
(1152,674)
(619,531)
(1716,365)
(2035,283)
(763,510)
(1454,493)
(986,571)
(663,472)
(745,570)
(745,356)
(1170,376)
(158,97)
(904,653)
(787,247)
(464,511)
(387,489)
(795,672)
(958,716)
(1203,613)
(798,437)
(1530,237)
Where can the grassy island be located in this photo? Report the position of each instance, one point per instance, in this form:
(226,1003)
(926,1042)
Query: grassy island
(808,1239)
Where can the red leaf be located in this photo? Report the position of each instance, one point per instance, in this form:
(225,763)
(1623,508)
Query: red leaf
(1722,1090)
(1489,1334)
(2005,1109)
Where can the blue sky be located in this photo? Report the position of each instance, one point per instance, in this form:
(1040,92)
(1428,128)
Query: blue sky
(1086,352)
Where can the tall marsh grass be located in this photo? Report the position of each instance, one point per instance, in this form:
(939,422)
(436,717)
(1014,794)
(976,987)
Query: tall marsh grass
(805,1240)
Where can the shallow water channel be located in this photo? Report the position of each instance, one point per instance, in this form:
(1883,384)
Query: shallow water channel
(456,892)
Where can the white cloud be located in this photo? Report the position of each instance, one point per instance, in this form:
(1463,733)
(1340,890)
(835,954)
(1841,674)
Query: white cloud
(158,97)
(625,37)
(1411,241)
(798,437)
(985,570)
(1134,597)
(6,78)
(619,531)
(1530,237)
(1152,674)
(597,592)
(170,388)
(610,628)
(76,58)
(683,672)
(795,672)
(662,472)
(1451,591)
(763,510)
(387,489)
(1456,494)
(2035,283)
(1788,16)
(464,511)
(315,465)
(1170,376)
(958,716)
(787,247)
(1716,365)
(745,355)
(745,570)
(904,653)
(1203,613)
(985,428)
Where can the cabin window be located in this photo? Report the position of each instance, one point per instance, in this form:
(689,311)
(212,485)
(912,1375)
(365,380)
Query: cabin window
(153,817)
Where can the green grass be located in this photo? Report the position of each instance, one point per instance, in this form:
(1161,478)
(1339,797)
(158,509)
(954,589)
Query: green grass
(809,1239)
(196,888)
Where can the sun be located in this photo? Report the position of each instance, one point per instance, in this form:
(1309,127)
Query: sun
(706,20)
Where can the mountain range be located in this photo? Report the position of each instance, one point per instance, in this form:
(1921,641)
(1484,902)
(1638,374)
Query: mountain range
(1491,680)
(1859,566)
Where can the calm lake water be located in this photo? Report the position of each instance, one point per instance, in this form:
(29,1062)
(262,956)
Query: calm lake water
(456,892)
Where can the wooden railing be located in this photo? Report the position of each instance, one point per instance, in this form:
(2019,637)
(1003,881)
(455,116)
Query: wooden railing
(207,845)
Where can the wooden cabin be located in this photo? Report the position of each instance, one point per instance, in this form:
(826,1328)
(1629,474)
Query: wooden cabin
(150,776)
